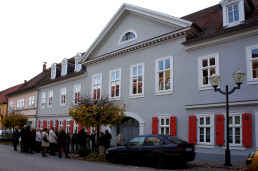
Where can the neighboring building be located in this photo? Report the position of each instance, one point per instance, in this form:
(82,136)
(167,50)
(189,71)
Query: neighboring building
(24,100)
(61,89)
(4,103)
(160,65)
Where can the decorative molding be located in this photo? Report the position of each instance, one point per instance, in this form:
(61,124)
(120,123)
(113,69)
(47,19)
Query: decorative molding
(144,44)
(223,104)
(53,115)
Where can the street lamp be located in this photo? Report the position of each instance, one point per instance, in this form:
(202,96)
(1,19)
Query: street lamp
(215,80)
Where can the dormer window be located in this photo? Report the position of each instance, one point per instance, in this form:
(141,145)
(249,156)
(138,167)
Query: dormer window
(78,66)
(64,67)
(233,12)
(128,37)
(53,71)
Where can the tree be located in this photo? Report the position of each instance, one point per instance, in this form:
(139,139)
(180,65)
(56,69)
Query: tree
(15,120)
(92,112)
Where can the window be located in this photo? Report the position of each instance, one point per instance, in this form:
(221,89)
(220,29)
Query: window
(62,96)
(41,124)
(20,103)
(64,67)
(137,80)
(164,125)
(11,105)
(153,141)
(96,86)
(78,66)
(128,36)
(50,98)
(235,129)
(67,126)
(205,126)
(53,71)
(48,124)
(137,141)
(208,65)
(164,76)
(60,125)
(115,84)
(76,127)
(252,64)
(233,12)
(31,101)
(43,100)
(77,93)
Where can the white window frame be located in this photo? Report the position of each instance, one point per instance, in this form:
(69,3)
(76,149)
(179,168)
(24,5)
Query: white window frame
(11,106)
(43,100)
(31,101)
(137,95)
(208,86)
(115,81)
(60,124)
(78,66)
(249,60)
(48,123)
(164,125)
(50,99)
(20,104)
(96,84)
(157,71)
(227,3)
(64,67)
(63,96)
(235,126)
(75,127)
(127,41)
(53,71)
(211,126)
(67,126)
(76,89)
(41,124)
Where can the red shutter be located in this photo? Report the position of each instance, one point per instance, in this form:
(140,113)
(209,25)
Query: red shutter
(88,130)
(247,129)
(39,125)
(51,123)
(44,124)
(64,125)
(192,129)
(79,127)
(56,124)
(173,125)
(155,125)
(71,126)
(220,129)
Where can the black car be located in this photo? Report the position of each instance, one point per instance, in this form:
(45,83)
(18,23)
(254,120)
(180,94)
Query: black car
(6,135)
(157,149)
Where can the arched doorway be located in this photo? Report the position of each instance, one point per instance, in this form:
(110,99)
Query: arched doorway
(129,129)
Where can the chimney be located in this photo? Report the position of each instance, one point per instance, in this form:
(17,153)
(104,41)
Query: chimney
(25,81)
(44,66)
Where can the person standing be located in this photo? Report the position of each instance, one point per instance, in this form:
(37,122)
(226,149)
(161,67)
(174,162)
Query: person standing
(38,141)
(45,142)
(102,143)
(92,138)
(108,138)
(16,136)
(61,143)
(52,141)
(118,139)
(29,139)
(74,141)
(23,141)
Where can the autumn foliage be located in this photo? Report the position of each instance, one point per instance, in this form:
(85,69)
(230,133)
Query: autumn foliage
(15,120)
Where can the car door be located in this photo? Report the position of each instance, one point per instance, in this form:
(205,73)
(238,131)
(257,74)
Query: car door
(133,149)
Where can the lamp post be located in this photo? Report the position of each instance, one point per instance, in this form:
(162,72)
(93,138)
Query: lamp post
(215,80)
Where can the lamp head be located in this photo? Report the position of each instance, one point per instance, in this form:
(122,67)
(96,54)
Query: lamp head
(238,77)
(214,80)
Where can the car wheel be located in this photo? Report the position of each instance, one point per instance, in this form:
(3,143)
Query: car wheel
(160,162)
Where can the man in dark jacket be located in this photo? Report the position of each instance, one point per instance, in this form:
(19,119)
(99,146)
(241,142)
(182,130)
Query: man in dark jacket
(108,138)
(82,136)
(16,136)
(74,141)
(62,143)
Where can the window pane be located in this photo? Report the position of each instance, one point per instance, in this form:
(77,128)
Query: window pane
(237,139)
(237,120)
(113,89)
(201,131)
(230,8)
(139,70)
(237,131)
(208,121)
(161,65)
(212,71)
(162,122)
(236,7)
(117,88)
(230,135)
(255,69)
(118,75)
(167,121)
(212,61)
(208,135)
(134,85)
(205,76)
(167,131)
(95,80)
(230,120)
(236,16)
(255,53)
(135,71)
(230,17)
(162,131)
(167,80)
(139,84)
(167,64)
(161,81)
(204,63)
(113,75)
(99,79)
(201,121)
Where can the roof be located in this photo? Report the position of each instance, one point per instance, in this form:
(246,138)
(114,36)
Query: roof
(3,98)
(209,21)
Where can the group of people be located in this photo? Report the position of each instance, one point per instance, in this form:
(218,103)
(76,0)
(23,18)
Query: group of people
(55,140)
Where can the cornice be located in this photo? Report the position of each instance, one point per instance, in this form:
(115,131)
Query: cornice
(144,44)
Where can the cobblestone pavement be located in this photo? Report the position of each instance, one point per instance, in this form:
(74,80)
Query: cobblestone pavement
(16,161)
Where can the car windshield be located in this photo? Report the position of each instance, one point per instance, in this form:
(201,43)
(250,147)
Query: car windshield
(174,139)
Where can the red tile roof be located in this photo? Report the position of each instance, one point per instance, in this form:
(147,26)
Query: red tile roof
(3,98)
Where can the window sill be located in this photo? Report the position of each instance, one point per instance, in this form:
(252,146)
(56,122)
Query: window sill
(49,107)
(114,98)
(208,87)
(241,148)
(160,93)
(43,107)
(136,96)
(62,105)
(204,146)
(252,82)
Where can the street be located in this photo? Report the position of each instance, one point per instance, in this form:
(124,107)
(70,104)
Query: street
(11,160)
